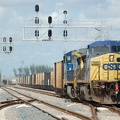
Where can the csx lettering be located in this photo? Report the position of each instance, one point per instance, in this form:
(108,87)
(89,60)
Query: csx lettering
(111,66)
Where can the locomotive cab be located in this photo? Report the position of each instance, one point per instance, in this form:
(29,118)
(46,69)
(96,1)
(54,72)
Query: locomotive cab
(103,47)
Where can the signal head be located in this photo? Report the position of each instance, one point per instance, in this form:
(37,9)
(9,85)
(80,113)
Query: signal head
(49,33)
(10,48)
(49,19)
(10,39)
(4,39)
(37,8)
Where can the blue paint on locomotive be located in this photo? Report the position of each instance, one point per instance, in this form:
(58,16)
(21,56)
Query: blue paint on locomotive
(111,66)
(113,47)
(105,43)
(68,61)
(69,66)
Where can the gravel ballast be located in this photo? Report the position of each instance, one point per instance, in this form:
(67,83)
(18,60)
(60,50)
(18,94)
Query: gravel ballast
(4,96)
(24,112)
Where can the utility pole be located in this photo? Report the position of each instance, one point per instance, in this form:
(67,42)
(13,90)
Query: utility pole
(22,72)
(0,76)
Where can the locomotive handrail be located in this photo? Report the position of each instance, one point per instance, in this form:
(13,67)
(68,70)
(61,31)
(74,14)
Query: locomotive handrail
(75,80)
(81,67)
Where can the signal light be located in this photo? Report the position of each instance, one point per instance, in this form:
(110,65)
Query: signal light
(49,33)
(36,20)
(64,12)
(4,39)
(37,8)
(65,33)
(4,48)
(36,33)
(116,88)
(49,19)
(10,48)
(10,39)
(65,21)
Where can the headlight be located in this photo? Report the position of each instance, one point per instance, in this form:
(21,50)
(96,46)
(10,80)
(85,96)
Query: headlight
(111,58)
(103,86)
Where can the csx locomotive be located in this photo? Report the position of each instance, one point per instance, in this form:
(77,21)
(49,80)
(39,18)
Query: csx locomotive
(94,73)
(91,73)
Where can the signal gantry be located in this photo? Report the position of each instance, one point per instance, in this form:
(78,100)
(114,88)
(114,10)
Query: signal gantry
(65,31)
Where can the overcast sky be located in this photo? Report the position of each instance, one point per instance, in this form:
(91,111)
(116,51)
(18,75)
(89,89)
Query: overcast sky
(14,12)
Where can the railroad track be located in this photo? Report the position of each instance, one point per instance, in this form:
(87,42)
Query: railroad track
(92,106)
(113,108)
(68,112)
(5,104)
(93,109)
(38,91)
(95,105)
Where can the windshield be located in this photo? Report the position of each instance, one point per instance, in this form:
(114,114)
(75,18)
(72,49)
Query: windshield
(100,50)
(115,48)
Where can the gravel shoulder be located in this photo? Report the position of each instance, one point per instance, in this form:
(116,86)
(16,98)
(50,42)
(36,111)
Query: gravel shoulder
(23,112)
(2,114)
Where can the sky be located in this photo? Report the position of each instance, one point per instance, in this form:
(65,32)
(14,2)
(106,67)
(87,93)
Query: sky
(14,13)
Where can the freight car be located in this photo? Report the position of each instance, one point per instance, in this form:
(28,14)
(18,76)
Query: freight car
(58,77)
(39,80)
(91,73)
(12,82)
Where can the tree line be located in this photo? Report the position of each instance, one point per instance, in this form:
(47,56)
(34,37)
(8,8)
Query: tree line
(33,69)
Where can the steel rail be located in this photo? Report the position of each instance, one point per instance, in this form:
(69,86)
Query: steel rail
(93,109)
(38,91)
(27,102)
(113,109)
(78,115)
(12,102)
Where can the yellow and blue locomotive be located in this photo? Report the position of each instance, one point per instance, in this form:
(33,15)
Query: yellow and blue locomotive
(93,73)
